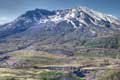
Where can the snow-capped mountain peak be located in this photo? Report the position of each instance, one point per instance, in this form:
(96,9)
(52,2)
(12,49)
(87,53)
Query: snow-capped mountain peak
(80,14)
(78,18)
(100,16)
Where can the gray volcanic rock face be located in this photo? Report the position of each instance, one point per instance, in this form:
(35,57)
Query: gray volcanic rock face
(23,22)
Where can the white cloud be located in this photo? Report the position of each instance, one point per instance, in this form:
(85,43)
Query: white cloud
(4,20)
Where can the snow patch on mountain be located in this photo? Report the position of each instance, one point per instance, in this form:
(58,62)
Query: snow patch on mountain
(79,15)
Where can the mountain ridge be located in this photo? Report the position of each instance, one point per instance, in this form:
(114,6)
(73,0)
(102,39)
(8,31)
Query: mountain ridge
(78,27)
(34,36)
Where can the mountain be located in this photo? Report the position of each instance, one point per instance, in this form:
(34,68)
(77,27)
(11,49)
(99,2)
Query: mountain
(23,22)
(76,17)
(67,32)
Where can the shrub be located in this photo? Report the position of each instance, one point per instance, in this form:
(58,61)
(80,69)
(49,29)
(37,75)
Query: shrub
(50,75)
(111,75)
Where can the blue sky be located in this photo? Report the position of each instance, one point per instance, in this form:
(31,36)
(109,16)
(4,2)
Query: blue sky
(10,9)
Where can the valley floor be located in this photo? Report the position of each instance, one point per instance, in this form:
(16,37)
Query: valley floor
(31,65)
(55,72)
